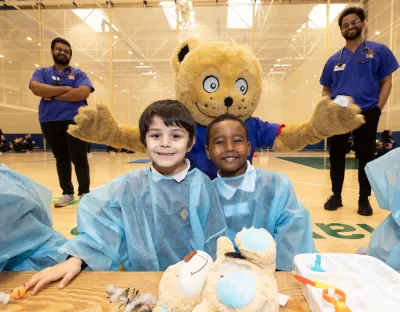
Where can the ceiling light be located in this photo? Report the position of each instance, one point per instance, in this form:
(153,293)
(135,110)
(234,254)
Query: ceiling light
(29,38)
(277,65)
(141,63)
(299,30)
(317,16)
(95,19)
(115,86)
(76,64)
(124,90)
(143,66)
(272,69)
(278,60)
(130,52)
(39,44)
(377,32)
(240,14)
(169,8)
(101,77)
(115,37)
(91,73)
(36,65)
(1,55)
(293,39)
(286,65)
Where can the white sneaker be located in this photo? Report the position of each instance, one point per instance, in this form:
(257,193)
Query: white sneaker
(80,196)
(65,201)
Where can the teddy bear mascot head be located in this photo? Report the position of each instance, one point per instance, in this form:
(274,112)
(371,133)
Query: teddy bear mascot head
(214,78)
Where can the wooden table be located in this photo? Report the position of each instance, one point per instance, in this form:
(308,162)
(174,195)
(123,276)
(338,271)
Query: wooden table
(88,291)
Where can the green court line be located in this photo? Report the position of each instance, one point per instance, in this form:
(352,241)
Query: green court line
(74,231)
(56,199)
(330,229)
(320,162)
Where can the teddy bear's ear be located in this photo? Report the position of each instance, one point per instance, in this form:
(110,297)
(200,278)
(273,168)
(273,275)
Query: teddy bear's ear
(224,245)
(183,49)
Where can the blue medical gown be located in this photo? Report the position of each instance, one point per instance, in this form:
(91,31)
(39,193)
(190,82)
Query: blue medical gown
(266,199)
(147,221)
(27,239)
(384,176)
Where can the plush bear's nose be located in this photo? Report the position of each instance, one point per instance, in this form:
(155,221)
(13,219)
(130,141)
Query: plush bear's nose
(228,101)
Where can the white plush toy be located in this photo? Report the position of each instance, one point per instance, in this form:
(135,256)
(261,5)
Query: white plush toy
(234,282)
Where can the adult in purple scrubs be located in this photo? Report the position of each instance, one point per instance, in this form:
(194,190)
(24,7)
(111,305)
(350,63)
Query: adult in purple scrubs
(63,89)
(363,70)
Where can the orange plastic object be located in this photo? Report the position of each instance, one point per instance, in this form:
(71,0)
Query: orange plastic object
(18,293)
(255,155)
(304,280)
(340,305)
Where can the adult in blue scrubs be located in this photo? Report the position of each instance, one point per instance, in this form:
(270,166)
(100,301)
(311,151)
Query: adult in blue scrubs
(63,89)
(363,70)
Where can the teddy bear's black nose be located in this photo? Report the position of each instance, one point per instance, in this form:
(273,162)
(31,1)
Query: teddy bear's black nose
(228,101)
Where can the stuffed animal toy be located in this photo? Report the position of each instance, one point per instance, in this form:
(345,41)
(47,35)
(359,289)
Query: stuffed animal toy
(234,282)
(216,78)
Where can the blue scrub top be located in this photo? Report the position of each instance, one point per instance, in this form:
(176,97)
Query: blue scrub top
(360,81)
(55,110)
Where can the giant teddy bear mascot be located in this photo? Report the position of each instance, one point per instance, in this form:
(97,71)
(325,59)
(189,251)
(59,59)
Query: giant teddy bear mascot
(212,79)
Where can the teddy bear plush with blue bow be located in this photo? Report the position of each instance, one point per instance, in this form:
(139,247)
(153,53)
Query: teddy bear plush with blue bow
(236,281)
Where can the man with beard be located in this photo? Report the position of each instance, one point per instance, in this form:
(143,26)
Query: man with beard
(63,89)
(363,70)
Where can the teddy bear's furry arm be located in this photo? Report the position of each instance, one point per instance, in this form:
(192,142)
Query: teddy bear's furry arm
(99,126)
(327,120)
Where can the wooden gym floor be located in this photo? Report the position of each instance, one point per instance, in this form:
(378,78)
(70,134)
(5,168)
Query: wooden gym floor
(342,231)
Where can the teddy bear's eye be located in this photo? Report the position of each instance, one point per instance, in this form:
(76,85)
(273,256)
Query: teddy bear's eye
(241,86)
(210,84)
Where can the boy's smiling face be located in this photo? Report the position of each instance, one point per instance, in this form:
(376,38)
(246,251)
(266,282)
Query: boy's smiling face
(167,147)
(228,147)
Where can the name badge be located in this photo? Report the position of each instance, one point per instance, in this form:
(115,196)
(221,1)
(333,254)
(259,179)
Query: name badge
(339,68)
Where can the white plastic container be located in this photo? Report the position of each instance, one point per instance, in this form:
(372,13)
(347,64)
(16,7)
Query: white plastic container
(369,284)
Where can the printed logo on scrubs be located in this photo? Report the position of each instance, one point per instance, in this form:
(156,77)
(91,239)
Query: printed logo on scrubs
(184,214)
(370,54)
(71,76)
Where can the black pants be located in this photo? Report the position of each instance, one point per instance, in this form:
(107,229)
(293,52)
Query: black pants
(364,146)
(65,149)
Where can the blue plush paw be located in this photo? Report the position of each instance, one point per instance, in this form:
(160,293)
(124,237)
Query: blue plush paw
(255,240)
(236,290)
